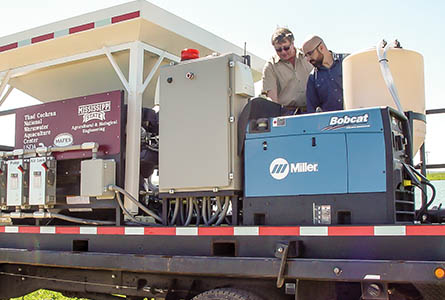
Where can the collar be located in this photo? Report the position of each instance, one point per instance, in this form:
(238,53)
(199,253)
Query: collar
(337,57)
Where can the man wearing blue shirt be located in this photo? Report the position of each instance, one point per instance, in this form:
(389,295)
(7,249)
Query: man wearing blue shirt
(324,87)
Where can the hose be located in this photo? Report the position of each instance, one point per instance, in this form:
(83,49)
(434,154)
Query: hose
(190,212)
(386,72)
(81,220)
(198,216)
(175,212)
(204,211)
(223,214)
(138,204)
(127,213)
(218,210)
(427,205)
(423,180)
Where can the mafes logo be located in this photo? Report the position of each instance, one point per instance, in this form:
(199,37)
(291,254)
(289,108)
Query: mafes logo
(63,139)
(279,168)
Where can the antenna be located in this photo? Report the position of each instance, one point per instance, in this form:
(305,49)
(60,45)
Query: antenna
(246,58)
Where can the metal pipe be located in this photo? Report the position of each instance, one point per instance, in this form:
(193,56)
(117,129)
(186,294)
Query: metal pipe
(50,215)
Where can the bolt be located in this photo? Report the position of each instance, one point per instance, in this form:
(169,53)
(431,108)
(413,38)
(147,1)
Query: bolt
(23,278)
(280,250)
(20,269)
(117,287)
(113,276)
(337,271)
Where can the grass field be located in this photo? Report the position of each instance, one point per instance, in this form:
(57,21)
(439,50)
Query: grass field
(436,176)
(44,295)
(50,295)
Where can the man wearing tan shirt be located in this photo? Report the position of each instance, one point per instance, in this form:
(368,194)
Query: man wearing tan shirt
(285,75)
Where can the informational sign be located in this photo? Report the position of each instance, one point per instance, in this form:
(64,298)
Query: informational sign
(94,118)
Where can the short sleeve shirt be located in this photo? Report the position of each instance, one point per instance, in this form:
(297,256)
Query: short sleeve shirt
(289,81)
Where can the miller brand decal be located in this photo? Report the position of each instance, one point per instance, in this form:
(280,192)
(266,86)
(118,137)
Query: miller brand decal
(63,140)
(279,168)
(94,111)
(347,121)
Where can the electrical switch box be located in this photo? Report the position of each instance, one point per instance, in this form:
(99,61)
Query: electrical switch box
(95,176)
(17,182)
(42,177)
(243,80)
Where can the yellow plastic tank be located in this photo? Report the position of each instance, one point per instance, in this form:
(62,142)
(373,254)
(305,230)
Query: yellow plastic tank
(364,86)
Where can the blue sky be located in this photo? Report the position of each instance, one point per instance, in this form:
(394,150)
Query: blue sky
(346,26)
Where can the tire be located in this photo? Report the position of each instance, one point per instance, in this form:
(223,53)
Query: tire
(227,294)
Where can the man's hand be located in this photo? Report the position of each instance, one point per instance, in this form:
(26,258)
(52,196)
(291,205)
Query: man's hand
(272,94)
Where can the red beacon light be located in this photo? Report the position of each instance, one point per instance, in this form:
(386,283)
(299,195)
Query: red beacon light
(187,54)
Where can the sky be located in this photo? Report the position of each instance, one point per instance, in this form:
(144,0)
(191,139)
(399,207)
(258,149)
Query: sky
(346,26)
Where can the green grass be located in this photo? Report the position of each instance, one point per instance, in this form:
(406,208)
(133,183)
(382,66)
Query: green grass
(436,176)
(50,295)
(44,295)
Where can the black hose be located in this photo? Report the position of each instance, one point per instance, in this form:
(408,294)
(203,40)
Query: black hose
(175,212)
(189,212)
(198,215)
(427,205)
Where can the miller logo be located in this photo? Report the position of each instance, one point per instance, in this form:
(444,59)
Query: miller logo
(95,111)
(279,168)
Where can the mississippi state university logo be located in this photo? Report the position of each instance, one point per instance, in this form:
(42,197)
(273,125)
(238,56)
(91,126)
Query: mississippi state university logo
(95,111)
(279,168)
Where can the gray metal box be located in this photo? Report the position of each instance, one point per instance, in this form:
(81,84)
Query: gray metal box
(17,182)
(199,111)
(95,175)
(42,181)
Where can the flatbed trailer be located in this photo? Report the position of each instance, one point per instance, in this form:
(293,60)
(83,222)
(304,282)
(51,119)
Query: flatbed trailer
(216,241)
(181,262)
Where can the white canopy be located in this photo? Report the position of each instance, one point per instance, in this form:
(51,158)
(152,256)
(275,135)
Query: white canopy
(68,58)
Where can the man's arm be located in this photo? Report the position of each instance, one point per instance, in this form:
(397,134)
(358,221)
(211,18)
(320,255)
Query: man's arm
(270,88)
(313,101)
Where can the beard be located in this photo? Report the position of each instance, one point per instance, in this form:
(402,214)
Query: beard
(318,62)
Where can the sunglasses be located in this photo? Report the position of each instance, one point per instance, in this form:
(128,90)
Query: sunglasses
(286,48)
(309,53)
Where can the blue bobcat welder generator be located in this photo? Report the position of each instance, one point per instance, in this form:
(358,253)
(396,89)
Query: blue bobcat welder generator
(342,167)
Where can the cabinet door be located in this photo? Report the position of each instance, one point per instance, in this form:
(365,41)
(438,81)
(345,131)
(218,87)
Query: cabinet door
(296,165)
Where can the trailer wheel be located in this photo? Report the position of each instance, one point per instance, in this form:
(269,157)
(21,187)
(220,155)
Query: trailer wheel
(227,294)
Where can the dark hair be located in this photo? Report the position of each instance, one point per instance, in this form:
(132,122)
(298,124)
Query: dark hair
(281,35)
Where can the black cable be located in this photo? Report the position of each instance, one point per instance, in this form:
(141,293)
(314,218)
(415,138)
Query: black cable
(428,204)
(128,214)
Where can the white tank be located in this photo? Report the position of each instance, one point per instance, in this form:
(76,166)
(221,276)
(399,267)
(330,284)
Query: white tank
(364,86)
